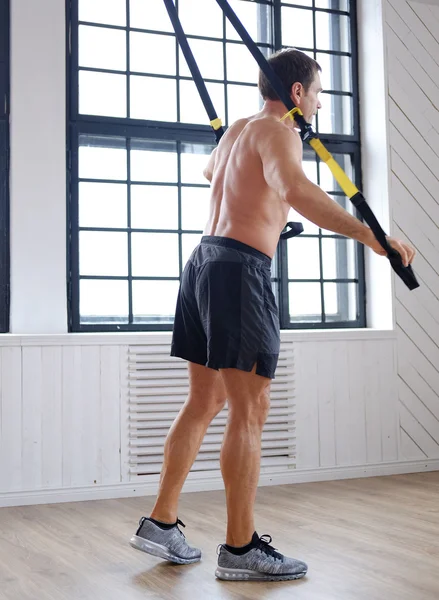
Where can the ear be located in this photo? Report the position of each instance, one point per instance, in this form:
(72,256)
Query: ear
(297,92)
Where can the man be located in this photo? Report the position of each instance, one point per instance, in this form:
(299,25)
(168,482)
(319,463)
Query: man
(226,322)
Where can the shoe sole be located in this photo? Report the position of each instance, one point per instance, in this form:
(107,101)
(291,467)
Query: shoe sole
(160,551)
(246,575)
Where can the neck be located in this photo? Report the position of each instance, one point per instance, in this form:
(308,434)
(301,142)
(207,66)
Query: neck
(276,109)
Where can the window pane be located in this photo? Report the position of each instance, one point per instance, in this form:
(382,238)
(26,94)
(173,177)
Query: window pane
(110,12)
(336,72)
(151,53)
(158,165)
(153,98)
(303,258)
(209,58)
(335,116)
(102,94)
(191,106)
(305,302)
(332,32)
(297,27)
(102,205)
(149,14)
(195,203)
(154,207)
(300,2)
(194,158)
(154,254)
(243,101)
(310,168)
(338,259)
(154,301)
(241,66)
(103,253)
(201,18)
(102,48)
(103,301)
(256,18)
(188,243)
(102,163)
(333,4)
(341,300)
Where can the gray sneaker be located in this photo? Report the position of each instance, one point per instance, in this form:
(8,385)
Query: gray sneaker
(260,563)
(169,544)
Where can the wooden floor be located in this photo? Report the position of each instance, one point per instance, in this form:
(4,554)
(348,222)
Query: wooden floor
(364,539)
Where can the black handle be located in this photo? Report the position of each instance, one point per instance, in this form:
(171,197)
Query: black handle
(406,273)
(295,229)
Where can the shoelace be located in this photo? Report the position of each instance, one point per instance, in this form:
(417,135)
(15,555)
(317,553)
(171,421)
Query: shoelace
(264,545)
(183,525)
(143,519)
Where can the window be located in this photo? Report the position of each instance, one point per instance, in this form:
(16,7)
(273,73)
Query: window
(139,143)
(4,166)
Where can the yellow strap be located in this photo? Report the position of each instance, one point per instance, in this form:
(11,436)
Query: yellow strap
(291,113)
(216,123)
(340,176)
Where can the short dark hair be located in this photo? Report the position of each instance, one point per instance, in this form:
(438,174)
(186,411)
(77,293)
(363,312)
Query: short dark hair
(291,66)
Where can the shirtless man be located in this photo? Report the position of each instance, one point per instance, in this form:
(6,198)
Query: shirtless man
(226,322)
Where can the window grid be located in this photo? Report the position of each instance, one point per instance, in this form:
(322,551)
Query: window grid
(181,132)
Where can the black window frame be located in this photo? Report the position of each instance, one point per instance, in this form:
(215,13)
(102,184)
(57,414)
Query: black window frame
(78,125)
(4,167)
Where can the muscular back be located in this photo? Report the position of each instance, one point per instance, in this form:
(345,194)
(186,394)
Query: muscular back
(243,205)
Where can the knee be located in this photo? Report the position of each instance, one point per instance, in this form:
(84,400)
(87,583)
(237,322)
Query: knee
(263,407)
(253,410)
(206,406)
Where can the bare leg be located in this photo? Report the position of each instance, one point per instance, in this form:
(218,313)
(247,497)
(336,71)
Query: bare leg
(249,402)
(206,399)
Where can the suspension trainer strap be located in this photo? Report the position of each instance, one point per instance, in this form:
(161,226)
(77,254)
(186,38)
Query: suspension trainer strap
(215,122)
(308,135)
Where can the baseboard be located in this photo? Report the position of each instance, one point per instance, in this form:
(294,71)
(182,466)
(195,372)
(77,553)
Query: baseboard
(213,482)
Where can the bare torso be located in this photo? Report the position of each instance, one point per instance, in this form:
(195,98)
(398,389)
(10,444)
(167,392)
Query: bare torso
(243,206)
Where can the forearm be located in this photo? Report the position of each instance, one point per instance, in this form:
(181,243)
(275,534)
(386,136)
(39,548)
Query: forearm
(315,205)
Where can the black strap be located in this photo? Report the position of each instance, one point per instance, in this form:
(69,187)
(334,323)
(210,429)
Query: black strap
(405,273)
(307,134)
(193,67)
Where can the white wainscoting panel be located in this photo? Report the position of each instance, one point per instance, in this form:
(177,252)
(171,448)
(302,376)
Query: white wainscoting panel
(89,421)
(346,404)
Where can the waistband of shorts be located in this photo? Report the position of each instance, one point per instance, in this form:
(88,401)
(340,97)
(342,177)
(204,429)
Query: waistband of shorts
(236,245)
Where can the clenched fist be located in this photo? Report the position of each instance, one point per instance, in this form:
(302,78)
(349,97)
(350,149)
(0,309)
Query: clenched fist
(405,250)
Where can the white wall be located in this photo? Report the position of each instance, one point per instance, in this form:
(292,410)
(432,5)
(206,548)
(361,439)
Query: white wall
(367,403)
(412,36)
(375,154)
(38,167)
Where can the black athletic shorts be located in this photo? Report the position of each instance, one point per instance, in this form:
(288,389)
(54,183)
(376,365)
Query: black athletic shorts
(226,315)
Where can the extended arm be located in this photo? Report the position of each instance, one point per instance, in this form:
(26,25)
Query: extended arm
(281,154)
